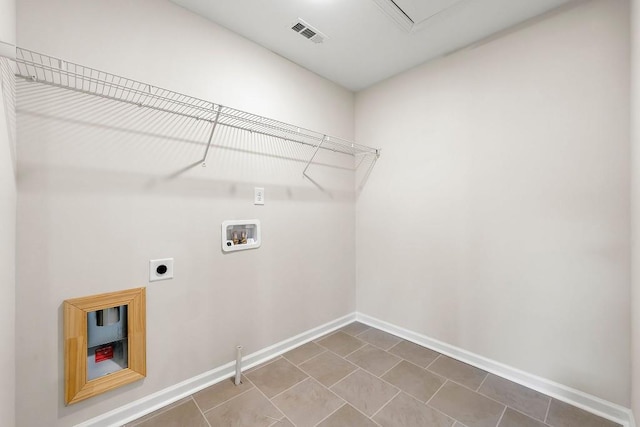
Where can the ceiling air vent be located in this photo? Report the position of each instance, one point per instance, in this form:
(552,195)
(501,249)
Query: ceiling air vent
(309,32)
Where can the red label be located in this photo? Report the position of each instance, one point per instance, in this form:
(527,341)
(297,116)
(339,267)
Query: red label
(104,353)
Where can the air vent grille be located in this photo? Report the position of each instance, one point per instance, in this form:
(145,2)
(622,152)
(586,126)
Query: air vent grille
(309,32)
(298,27)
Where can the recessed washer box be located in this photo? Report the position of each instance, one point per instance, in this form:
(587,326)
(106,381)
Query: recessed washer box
(238,235)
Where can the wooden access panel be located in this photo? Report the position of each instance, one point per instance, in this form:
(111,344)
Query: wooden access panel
(78,385)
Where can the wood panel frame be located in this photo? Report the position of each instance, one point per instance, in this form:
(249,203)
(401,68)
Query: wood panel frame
(77,386)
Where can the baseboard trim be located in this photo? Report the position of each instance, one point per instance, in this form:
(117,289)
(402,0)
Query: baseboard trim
(155,401)
(590,403)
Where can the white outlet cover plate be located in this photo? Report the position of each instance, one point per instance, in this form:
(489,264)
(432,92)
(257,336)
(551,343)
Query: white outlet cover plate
(154,276)
(258,196)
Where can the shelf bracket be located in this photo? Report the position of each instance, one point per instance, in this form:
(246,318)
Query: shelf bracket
(304,172)
(213,129)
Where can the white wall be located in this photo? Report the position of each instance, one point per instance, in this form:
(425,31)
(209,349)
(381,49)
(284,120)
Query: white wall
(7,24)
(7,228)
(497,219)
(635,199)
(96,200)
(7,270)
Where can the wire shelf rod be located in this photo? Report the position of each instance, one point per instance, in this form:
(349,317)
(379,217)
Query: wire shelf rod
(67,75)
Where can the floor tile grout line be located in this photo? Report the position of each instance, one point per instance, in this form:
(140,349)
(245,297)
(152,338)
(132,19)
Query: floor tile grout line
(368,329)
(332,412)
(327,335)
(543,421)
(410,396)
(365,415)
(364,344)
(387,371)
(283,418)
(484,379)
(386,403)
(420,367)
(306,360)
(504,411)
(378,347)
(263,365)
(346,376)
(373,375)
(433,361)
(455,381)
(265,396)
(446,415)
(228,400)
(479,394)
(546,416)
(335,394)
(527,415)
(336,353)
(375,422)
(314,357)
(336,382)
(394,346)
(201,412)
(451,381)
(459,383)
(440,388)
(159,411)
(275,420)
(289,388)
(410,361)
(363,370)
(384,349)
(371,417)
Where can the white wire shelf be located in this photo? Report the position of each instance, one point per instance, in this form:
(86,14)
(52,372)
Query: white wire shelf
(52,71)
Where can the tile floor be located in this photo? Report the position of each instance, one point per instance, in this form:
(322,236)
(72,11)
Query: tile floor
(361,376)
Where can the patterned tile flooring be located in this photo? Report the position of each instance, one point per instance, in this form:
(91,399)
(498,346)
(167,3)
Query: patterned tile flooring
(361,376)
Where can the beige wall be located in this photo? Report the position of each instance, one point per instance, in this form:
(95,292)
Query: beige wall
(635,198)
(497,219)
(8,22)
(7,230)
(97,200)
(7,270)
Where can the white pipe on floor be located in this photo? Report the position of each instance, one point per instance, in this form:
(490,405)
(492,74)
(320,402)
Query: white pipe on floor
(238,379)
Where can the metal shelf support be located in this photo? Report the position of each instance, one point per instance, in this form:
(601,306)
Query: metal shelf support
(213,129)
(304,172)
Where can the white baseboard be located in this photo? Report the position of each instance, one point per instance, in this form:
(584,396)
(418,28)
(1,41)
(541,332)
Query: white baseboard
(589,403)
(148,404)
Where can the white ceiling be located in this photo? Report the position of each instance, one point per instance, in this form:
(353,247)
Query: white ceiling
(368,40)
